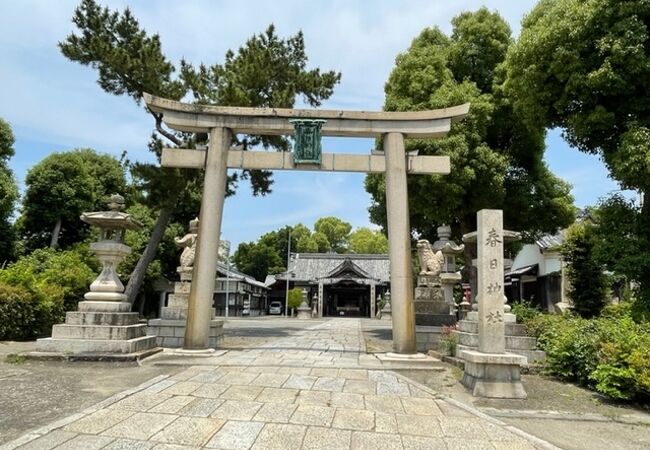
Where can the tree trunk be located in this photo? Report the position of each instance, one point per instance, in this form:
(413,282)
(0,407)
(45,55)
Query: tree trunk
(137,276)
(54,241)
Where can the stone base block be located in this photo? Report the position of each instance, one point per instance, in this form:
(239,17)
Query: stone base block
(99,332)
(171,333)
(427,338)
(434,320)
(493,375)
(98,306)
(178,301)
(386,315)
(101,318)
(304,313)
(74,347)
(105,357)
(105,296)
(517,340)
(532,356)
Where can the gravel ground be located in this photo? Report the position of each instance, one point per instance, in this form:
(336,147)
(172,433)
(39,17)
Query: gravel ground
(35,393)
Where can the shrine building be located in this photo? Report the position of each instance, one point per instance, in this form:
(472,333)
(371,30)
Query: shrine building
(343,285)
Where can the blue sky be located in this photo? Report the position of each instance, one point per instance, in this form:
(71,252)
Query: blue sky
(54,104)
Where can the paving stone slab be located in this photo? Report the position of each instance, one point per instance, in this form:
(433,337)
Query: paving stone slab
(313,415)
(275,412)
(201,407)
(86,442)
(318,438)
(235,435)
(49,441)
(300,381)
(419,425)
(98,421)
(129,444)
(354,419)
(277,395)
(189,431)
(280,437)
(140,426)
(423,443)
(237,410)
(375,441)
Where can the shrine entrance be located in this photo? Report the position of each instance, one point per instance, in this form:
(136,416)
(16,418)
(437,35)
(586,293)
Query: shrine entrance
(347,299)
(221,123)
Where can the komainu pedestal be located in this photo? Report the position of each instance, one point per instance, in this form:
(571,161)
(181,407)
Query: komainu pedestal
(104,326)
(169,329)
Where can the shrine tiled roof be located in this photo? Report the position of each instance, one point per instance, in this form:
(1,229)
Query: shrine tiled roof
(310,267)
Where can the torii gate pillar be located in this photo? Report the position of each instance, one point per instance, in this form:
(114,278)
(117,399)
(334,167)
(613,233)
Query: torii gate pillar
(399,245)
(199,311)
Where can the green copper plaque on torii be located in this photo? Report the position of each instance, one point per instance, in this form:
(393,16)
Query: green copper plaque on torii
(307,147)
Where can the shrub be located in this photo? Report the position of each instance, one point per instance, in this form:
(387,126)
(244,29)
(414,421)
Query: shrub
(295,298)
(18,313)
(525,312)
(610,354)
(55,281)
(449,340)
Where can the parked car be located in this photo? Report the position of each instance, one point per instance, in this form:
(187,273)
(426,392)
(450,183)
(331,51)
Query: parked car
(275,308)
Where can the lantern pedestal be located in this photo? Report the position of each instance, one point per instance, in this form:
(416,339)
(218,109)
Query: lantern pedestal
(103,328)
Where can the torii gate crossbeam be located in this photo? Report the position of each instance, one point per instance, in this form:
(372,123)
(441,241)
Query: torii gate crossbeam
(222,122)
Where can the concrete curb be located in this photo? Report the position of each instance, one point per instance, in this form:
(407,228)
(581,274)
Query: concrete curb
(537,442)
(40,432)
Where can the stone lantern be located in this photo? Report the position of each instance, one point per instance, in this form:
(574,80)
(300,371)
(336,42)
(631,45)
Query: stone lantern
(107,291)
(448,275)
(103,328)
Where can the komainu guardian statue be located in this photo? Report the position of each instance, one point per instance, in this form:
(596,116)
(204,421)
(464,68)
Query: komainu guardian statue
(431,263)
(189,243)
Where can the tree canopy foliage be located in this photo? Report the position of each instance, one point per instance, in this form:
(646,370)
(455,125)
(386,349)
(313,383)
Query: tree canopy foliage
(496,158)
(269,254)
(585,67)
(267,71)
(8,192)
(62,186)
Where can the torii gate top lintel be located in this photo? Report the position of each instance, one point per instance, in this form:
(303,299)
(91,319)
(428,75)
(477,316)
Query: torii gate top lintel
(275,121)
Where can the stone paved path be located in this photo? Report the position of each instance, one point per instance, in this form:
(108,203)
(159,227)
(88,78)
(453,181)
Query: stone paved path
(315,389)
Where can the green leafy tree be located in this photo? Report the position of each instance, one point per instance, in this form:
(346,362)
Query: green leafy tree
(584,67)
(295,298)
(588,285)
(266,72)
(8,193)
(336,231)
(256,259)
(496,158)
(62,186)
(365,240)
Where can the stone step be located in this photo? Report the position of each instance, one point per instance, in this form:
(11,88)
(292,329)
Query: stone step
(98,332)
(173,313)
(101,318)
(512,329)
(512,342)
(534,357)
(86,346)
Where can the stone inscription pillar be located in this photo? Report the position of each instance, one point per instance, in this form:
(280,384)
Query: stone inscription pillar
(320,299)
(490,281)
(372,300)
(399,244)
(207,248)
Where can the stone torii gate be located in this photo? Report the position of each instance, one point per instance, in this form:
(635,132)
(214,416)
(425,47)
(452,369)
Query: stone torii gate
(223,122)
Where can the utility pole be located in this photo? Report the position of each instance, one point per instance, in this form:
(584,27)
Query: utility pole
(286,295)
(226,247)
